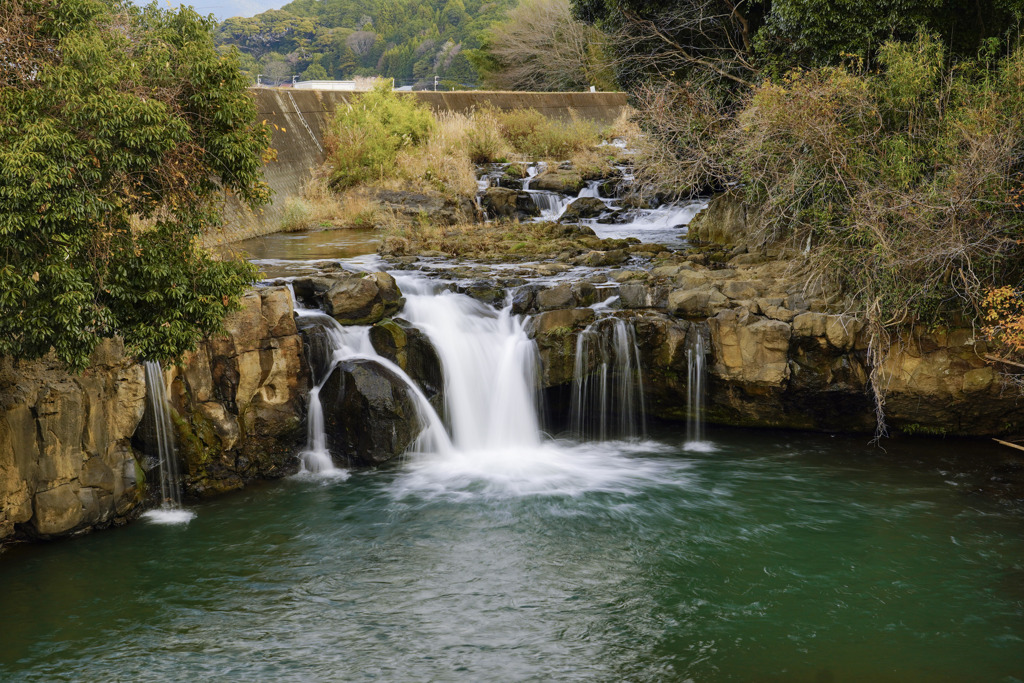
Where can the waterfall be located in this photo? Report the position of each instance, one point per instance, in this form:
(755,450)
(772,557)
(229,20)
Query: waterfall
(696,380)
(333,344)
(551,204)
(489,366)
(170,511)
(167,451)
(607,387)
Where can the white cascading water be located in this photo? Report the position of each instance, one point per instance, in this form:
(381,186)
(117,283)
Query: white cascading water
(551,204)
(352,343)
(607,386)
(489,366)
(170,510)
(490,369)
(496,447)
(696,379)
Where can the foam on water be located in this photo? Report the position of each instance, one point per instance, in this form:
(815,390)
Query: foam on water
(554,468)
(166,515)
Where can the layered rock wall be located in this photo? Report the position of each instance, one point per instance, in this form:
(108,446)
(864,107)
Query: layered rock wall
(240,398)
(66,462)
(73,455)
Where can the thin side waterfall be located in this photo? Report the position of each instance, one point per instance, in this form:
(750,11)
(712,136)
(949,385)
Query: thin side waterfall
(696,381)
(607,388)
(170,510)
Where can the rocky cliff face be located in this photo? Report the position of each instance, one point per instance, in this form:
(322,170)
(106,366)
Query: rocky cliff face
(780,354)
(66,462)
(240,399)
(72,456)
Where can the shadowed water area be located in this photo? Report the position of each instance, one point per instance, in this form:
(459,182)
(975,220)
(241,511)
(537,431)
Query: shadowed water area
(777,557)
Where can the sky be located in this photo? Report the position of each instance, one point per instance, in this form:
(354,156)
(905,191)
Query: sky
(225,8)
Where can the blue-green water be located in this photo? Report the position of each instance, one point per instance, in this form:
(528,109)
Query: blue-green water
(777,557)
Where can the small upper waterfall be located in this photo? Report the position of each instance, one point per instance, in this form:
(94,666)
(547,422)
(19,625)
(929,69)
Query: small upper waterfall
(696,380)
(607,387)
(551,204)
(170,511)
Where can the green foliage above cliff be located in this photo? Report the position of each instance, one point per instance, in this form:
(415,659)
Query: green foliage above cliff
(119,129)
(408,40)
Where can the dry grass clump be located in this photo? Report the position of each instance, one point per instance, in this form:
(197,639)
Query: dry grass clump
(441,163)
(319,207)
(531,134)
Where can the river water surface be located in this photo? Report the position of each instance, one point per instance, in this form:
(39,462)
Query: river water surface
(777,557)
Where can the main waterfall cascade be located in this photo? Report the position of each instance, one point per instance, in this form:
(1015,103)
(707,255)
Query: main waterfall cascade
(170,510)
(490,368)
(607,386)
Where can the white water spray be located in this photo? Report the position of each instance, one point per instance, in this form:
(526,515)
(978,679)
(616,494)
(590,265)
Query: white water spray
(696,379)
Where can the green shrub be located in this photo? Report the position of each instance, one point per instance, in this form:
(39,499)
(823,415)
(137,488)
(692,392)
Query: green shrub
(899,182)
(368,135)
(534,135)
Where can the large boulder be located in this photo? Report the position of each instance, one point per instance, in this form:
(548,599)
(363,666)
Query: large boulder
(363,299)
(584,207)
(411,350)
(724,221)
(437,208)
(750,350)
(500,202)
(557,180)
(369,413)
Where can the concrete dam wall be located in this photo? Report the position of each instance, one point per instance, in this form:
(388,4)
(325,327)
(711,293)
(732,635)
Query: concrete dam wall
(299,121)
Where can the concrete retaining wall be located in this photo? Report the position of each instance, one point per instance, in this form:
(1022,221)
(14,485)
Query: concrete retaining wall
(299,119)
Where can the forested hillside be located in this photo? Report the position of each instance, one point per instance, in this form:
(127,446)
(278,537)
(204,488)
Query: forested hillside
(408,40)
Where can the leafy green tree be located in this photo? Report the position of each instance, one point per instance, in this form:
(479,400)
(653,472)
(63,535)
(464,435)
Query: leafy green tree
(120,129)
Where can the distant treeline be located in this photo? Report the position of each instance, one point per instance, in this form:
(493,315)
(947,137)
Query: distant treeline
(411,41)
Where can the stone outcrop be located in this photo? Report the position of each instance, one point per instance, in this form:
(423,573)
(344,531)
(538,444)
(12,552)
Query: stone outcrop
(937,381)
(555,333)
(584,207)
(369,413)
(240,398)
(724,221)
(409,349)
(66,462)
(351,298)
(501,202)
(777,354)
(438,209)
(559,180)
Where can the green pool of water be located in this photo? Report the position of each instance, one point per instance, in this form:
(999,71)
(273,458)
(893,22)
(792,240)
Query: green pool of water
(774,558)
